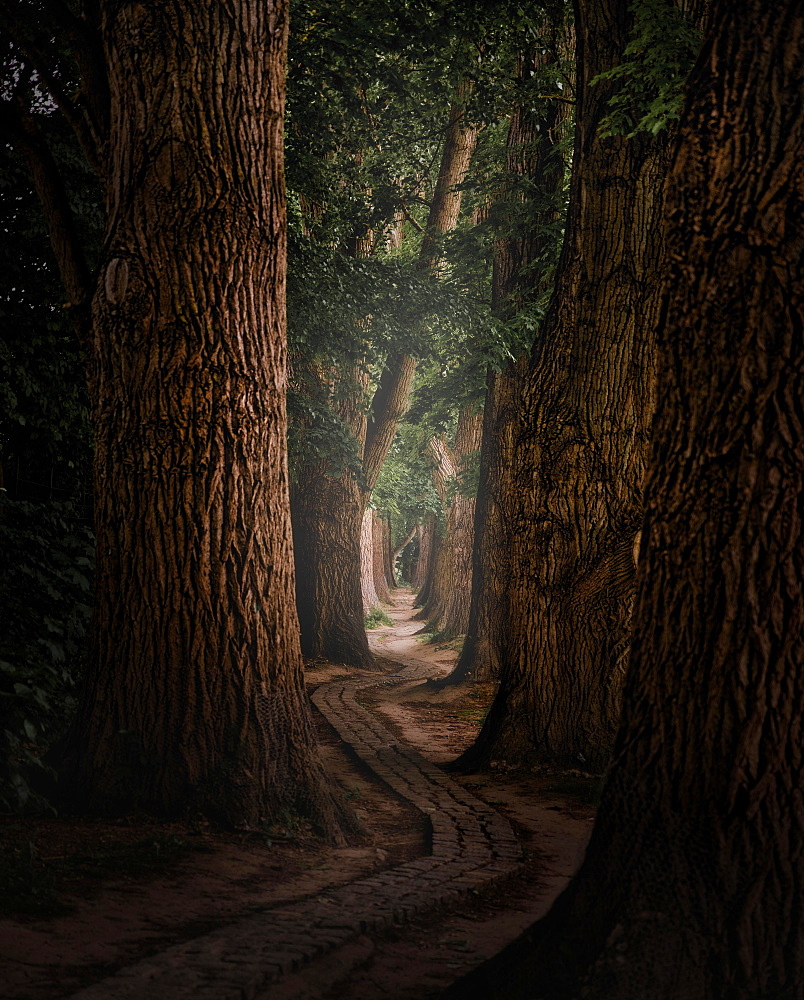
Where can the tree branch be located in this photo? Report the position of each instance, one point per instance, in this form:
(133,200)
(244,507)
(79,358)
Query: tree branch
(389,405)
(89,117)
(409,218)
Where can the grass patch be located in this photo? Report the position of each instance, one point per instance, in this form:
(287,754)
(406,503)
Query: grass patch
(376,617)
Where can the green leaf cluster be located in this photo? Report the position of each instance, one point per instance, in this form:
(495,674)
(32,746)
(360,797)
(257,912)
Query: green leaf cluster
(649,82)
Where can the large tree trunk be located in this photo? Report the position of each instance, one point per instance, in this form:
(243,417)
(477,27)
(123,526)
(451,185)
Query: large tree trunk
(582,445)
(194,699)
(387,558)
(693,885)
(425,534)
(519,276)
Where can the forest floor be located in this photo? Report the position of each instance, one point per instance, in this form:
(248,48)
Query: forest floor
(84,898)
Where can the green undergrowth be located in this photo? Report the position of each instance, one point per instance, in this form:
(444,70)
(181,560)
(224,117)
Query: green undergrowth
(34,886)
(377,617)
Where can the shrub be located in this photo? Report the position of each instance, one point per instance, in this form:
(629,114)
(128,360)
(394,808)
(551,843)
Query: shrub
(377,617)
(45,590)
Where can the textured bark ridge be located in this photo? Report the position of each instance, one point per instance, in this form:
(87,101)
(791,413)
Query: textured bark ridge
(425,537)
(693,885)
(368,586)
(581,447)
(383,560)
(195,697)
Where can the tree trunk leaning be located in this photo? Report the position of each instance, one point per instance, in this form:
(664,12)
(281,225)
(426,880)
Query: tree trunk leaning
(693,883)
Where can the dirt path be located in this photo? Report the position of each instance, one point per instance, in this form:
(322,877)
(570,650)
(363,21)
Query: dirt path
(285,919)
(419,960)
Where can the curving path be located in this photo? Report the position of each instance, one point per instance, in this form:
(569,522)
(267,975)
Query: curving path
(472,845)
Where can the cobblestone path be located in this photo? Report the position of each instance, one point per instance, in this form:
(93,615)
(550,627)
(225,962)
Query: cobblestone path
(472,845)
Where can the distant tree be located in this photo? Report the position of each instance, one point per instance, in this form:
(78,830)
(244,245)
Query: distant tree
(447,608)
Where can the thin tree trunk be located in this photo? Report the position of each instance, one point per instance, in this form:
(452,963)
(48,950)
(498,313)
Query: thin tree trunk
(582,444)
(454,618)
(693,884)
(380,557)
(520,272)
(371,598)
(391,399)
(194,699)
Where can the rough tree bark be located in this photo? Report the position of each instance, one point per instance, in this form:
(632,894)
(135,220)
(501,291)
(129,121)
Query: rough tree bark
(327,514)
(693,884)
(447,612)
(371,598)
(194,699)
(434,547)
(328,511)
(381,557)
(582,443)
(424,534)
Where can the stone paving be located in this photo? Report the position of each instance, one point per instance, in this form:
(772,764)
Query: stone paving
(472,846)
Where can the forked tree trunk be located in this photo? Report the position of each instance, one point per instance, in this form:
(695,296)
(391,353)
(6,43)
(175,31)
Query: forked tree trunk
(582,445)
(693,884)
(194,699)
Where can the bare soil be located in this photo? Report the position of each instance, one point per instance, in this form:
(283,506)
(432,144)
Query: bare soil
(92,896)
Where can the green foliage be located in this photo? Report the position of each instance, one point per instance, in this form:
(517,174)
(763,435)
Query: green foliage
(45,592)
(376,617)
(404,492)
(663,46)
(45,451)
(44,410)
(370,85)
